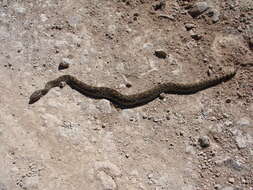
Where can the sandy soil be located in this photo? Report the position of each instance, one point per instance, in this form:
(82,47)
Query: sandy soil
(202,141)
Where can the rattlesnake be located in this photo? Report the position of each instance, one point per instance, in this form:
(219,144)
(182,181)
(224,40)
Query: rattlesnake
(134,100)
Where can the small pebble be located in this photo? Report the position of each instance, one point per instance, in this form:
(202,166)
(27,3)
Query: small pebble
(150,176)
(64,64)
(195,36)
(204,142)
(155,120)
(160,54)
(128,85)
(217,186)
(162,96)
(231,180)
(136,14)
(228,100)
(189,26)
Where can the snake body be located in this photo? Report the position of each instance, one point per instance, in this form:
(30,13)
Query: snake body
(134,100)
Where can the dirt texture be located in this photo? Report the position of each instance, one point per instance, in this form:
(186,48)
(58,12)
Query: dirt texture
(67,141)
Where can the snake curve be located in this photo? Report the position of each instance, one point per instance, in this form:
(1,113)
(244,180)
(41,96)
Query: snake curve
(134,100)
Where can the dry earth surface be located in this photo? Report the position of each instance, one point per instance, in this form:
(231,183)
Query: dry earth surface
(68,141)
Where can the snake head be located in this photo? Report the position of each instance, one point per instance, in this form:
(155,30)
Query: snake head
(35,96)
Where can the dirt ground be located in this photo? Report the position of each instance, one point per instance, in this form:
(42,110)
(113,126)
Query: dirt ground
(67,141)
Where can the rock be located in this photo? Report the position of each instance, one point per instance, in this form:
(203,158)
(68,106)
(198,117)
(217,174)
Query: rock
(160,5)
(136,14)
(156,119)
(128,85)
(195,36)
(64,64)
(189,26)
(162,96)
(107,181)
(228,100)
(160,54)
(204,142)
(205,60)
(217,186)
(144,116)
(215,15)
(150,176)
(231,180)
(198,9)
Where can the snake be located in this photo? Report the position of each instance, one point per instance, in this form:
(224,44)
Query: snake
(133,100)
